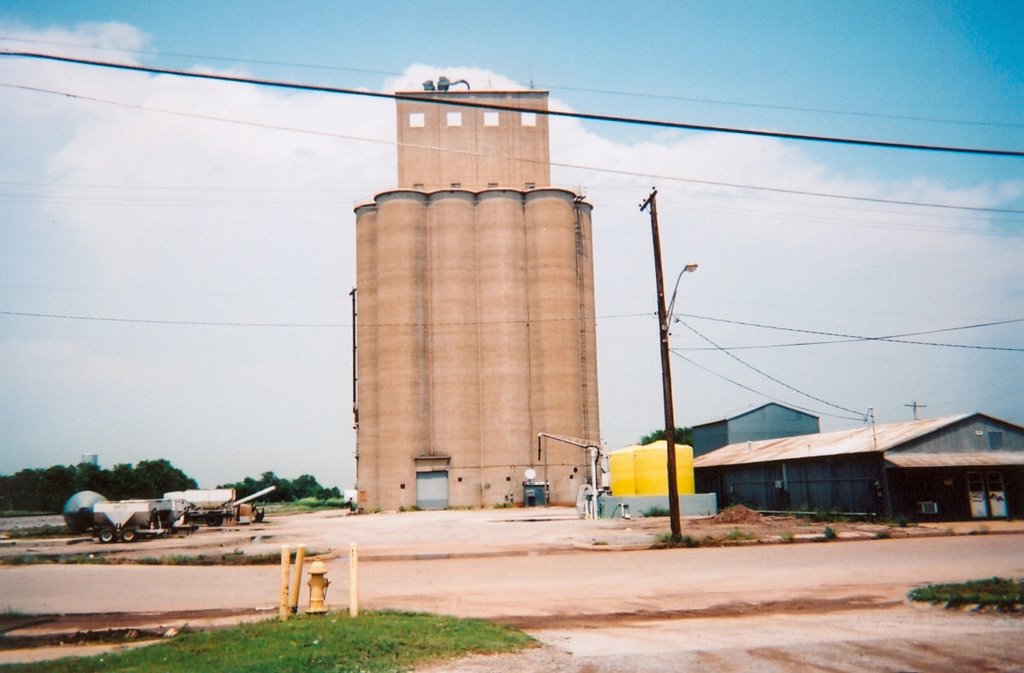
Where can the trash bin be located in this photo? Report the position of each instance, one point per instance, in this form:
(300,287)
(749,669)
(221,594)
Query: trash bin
(534,495)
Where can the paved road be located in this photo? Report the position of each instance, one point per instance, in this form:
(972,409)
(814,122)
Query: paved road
(543,585)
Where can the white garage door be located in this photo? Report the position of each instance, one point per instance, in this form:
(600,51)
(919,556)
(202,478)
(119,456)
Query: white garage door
(432,490)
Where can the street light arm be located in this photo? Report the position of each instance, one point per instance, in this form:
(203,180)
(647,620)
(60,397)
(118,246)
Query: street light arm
(672,303)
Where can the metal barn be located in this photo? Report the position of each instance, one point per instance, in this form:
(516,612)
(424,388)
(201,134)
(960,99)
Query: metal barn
(768,421)
(955,467)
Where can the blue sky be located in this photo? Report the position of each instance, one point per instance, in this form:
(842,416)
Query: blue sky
(125,206)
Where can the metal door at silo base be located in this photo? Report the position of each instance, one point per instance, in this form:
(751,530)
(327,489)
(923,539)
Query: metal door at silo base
(534,495)
(432,490)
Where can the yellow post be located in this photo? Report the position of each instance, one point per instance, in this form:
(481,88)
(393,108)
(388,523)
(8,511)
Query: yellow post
(286,559)
(353,580)
(293,600)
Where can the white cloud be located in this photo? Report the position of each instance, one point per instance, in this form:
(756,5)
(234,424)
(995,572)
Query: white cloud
(171,217)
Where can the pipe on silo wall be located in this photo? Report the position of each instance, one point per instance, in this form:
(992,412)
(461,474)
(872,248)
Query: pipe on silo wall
(506,432)
(588,319)
(368,453)
(453,335)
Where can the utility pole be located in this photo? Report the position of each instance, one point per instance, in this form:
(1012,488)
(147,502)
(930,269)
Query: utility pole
(915,406)
(666,374)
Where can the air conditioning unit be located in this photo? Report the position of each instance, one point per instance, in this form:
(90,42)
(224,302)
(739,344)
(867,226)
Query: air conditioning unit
(927,507)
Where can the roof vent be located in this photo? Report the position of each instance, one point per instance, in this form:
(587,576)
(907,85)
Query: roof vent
(428,85)
(443,84)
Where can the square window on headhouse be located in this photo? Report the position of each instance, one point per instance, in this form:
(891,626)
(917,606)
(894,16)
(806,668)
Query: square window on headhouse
(490,119)
(454,119)
(529,119)
(417,120)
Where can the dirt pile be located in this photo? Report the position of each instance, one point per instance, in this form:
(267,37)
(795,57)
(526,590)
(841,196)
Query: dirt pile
(737,514)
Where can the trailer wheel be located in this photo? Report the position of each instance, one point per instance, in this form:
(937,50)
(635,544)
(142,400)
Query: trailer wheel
(214,520)
(128,535)
(106,535)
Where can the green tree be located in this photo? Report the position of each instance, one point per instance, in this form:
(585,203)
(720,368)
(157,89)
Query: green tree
(304,486)
(153,478)
(683,436)
(48,489)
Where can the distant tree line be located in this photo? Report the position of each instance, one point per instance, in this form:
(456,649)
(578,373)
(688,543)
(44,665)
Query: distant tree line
(46,490)
(683,436)
(304,486)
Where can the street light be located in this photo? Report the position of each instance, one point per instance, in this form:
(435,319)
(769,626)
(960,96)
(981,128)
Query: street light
(691,267)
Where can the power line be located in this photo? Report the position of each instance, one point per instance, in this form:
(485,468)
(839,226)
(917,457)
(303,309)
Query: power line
(758,392)
(769,376)
(552,87)
(598,169)
(847,338)
(509,108)
(203,323)
(214,323)
(789,108)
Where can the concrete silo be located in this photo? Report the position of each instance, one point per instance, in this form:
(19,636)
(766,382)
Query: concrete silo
(475,311)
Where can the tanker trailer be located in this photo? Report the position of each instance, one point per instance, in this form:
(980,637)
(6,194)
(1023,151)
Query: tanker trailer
(127,520)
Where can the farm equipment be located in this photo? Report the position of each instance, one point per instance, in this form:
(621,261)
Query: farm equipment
(215,506)
(128,520)
(176,512)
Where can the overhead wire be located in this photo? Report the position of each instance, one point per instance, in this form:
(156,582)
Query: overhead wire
(542,85)
(862,142)
(848,338)
(607,170)
(767,375)
(761,393)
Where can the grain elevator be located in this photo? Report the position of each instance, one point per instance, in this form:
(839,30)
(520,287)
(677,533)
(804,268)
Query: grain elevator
(474,311)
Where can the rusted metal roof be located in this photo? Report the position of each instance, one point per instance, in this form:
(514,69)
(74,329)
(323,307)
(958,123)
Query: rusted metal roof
(986,459)
(857,440)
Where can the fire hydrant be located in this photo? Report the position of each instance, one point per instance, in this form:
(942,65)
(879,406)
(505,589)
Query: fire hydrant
(318,584)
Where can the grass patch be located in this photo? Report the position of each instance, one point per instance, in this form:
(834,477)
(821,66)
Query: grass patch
(669,541)
(374,642)
(36,532)
(736,534)
(996,592)
(306,505)
(35,559)
(655,511)
(787,536)
(829,533)
(825,516)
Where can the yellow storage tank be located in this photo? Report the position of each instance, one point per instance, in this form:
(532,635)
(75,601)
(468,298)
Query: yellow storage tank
(620,467)
(641,470)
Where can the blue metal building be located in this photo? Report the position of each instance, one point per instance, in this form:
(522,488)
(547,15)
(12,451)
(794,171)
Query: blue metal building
(768,421)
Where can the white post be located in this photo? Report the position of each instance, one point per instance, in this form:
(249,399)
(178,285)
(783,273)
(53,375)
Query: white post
(353,580)
(286,560)
(293,599)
